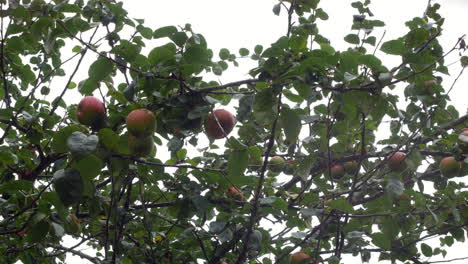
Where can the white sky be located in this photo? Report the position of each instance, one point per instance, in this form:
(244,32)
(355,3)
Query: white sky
(245,23)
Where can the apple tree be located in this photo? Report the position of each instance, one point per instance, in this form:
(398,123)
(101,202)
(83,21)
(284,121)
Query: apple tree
(321,156)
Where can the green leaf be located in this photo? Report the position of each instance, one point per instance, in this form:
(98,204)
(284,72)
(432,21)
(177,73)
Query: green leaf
(464,61)
(298,42)
(79,144)
(237,163)
(394,186)
(164,32)
(277,9)
(100,69)
(426,250)
(381,240)
(175,144)
(390,227)
(416,37)
(59,141)
(352,38)
(59,231)
(320,13)
(179,38)
(394,47)
(146,32)
(162,54)
(89,167)
(291,124)
(87,87)
(14,186)
(38,232)
(224,54)
(258,49)
(341,204)
(69,186)
(370,40)
(243,52)
(196,55)
(255,241)
(109,139)
(7,158)
(304,167)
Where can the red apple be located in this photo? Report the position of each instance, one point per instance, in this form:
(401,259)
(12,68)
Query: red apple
(225,119)
(91,112)
(450,167)
(141,122)
(463,138)
(27,175)
(140,146)
(337,171)
(299,258)
(276,164)
(351,167)
(396,162)
(235,194)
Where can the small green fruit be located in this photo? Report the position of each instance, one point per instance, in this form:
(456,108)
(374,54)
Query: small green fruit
(140,146)
(276,164)
(351,167)
(290,167)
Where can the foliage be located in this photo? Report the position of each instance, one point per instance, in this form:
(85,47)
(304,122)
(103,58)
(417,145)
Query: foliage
(307,102)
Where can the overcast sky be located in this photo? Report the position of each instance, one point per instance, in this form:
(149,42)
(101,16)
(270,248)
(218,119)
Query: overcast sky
(245,23)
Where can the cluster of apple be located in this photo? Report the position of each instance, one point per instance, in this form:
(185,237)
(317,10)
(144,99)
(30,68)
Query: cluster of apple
(449,166)
(141,124)
(337,171)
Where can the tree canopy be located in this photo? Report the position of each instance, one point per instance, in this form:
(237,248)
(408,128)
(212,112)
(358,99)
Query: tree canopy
(321,153)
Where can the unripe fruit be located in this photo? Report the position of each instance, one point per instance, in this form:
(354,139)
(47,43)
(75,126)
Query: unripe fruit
(225,119)
(140,146)
(141,122)
(276,164)
(337,171)
(290,167)
(235,194)
(404,196)
(91,112)
(450,167)
(298,258)
(351,167)
(396,162)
